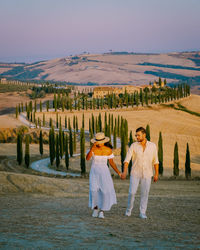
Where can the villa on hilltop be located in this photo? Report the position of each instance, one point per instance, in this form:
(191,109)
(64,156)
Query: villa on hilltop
(99,92)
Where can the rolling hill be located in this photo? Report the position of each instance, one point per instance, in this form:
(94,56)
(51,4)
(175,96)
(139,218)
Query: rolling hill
(111,68)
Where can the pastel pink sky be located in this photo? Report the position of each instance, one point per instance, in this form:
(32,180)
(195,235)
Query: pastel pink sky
(32,30)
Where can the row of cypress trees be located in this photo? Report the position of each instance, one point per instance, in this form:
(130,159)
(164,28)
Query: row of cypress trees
(145,96)
(60,144)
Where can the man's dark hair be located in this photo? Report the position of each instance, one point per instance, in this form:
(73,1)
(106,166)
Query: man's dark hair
(143,130)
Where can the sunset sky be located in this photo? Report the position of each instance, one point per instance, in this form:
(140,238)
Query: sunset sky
(33,30)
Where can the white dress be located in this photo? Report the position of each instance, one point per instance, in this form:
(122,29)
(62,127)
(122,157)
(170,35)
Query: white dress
(102,192)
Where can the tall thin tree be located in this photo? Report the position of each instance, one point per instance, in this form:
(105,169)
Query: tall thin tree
(41,143)
(160,154)
(83,167)
(27,152)
(176,160)
(187,163)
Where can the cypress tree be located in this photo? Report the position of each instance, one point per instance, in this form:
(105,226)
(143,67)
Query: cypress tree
(105,123)
(57,152)
(93,124)
(61,142)
(176,160)
(35,106)
(52,145)
(108,131)
(70,104)
(187,163)
(63,105)
(100,123)
(102,102)
(159,81)
(19,149)
(19,108)
(112,123)
(43,119)
(41,143)
(115,137)
(82,151)
(148,132)
(83,121)
(30,106)
(74,142)
(47,105)
(60,123)
(56,120)
(34,117)
(91,132)
(97,125)
(27,152)
(146,98)
(40,106)
(118,126)
(65,122)
(130,142)
(126,131)
(137,98)
(50,122)
(160,154)
(69,124)
(76,124)
(66,152)
(70,142)
(28,114)
(123,148)
(50,148)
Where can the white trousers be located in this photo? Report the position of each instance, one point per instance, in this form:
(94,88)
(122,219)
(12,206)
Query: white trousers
(145,187)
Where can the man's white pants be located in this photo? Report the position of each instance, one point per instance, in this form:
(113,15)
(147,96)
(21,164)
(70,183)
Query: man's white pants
(145,187)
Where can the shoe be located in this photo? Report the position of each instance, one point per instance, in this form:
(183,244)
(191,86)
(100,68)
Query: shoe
(128,212)
(95,213)
(143,216)
(101,215)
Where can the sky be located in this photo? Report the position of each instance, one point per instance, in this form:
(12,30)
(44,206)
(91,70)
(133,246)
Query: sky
(34,30)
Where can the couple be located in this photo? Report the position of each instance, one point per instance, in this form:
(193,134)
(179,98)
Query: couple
(102,194)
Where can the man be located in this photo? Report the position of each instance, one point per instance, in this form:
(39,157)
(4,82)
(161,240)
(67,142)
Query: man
(144,156)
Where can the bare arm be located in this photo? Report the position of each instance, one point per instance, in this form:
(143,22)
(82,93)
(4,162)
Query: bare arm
(155,178)
(89,154)
(156,165)
(113,165)
(125,170)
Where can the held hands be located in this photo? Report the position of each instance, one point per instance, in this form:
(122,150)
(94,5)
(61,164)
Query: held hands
(155,178)
(123,176)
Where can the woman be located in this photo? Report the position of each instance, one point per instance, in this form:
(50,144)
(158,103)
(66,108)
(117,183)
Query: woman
(102,193)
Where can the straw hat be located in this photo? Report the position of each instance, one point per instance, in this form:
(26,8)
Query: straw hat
(100,138)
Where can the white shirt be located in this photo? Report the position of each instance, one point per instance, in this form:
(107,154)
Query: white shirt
(142,161)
